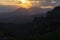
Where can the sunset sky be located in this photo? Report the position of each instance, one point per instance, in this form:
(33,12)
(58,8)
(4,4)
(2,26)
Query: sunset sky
(30,3)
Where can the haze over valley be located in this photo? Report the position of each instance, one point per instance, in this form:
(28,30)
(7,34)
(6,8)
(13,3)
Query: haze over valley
(20,15)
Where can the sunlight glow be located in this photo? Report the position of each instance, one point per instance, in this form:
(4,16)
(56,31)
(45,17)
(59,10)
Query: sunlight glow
(44,7)
(28,3)
(22,1)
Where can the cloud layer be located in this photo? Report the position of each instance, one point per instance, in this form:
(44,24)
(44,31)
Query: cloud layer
(38,3)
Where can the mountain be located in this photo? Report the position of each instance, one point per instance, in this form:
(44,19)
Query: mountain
(7,8)
(21,15)
(37,10)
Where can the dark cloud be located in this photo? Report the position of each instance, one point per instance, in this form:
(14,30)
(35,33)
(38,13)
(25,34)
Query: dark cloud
(47,2)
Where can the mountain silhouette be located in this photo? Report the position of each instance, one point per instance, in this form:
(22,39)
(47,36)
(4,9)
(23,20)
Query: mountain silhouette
(20,15)
(22,11)
(54,13)
(53,19)
(7,8)
(56,9)
(37,10)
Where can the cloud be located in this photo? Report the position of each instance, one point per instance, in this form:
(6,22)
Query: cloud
(46,3)
(46,7)
(37,3)
(53,1)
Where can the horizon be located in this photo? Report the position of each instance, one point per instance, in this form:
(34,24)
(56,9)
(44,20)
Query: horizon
(16,8)
(11,5)
(11,8)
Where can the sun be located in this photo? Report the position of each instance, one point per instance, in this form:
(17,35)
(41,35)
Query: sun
(24,4)
(23,1)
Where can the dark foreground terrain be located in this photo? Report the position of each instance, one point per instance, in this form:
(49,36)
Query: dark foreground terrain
(42,28)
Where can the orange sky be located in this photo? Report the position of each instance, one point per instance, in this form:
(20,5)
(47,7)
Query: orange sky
(28,4)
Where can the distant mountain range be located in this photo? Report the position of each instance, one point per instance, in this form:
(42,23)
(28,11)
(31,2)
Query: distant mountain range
(10,8)
(21,15)
(7,8)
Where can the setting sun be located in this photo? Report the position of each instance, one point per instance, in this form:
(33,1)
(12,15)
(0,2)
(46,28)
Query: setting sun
(22,1)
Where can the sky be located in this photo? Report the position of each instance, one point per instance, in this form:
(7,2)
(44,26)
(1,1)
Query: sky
(30,3)
(14,4)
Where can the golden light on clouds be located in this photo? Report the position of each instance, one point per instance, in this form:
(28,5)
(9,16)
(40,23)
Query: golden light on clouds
(20,3)
(24,3)
(29,3)
(46,7)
